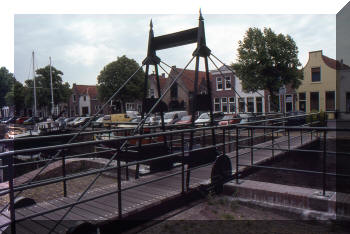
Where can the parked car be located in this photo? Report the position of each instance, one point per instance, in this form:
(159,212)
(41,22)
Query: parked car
(98,123)
(71,123)
(114,118)
(81,122)
(298,120)
(9,120)
(31,121)
(20,120)
(61,122)
(204,118)
(230,119)
(173,117)
(185,120)
(246,117)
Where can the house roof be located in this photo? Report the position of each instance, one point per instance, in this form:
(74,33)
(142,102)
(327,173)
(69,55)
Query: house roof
(188,77)
(90,90)
(332,63)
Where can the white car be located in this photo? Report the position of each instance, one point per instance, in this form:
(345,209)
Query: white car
(204,118)
(173,117)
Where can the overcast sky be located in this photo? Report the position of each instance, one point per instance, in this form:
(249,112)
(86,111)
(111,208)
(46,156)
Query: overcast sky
(81,45)
(97,32)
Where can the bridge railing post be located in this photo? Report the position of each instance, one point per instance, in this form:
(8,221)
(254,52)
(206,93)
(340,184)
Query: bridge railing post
(273,143)
(119,189)
(183,163)
(223,141)
(126,150)
(237,155)
(11,195)
(288,132)
(301,136)
(251,147)
(324,162)
(64,173)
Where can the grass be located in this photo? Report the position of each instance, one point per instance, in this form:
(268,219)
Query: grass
(228,216)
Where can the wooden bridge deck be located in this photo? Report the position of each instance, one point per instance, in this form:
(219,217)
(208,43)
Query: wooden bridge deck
(134,199)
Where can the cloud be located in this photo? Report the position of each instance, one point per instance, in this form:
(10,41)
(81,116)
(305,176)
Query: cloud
(81,45)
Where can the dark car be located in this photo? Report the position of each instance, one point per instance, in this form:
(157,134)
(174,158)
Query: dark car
(230,119)
(10,120)
(31,121)
(296,118)
(20,120)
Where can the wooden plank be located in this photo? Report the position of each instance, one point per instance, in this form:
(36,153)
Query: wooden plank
(70,216)
(50,216)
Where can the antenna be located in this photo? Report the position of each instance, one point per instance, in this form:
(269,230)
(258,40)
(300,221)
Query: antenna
(52,103)
(35,111)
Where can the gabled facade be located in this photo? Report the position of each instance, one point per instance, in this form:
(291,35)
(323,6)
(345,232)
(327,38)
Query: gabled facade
(181,93)
(83,101)
(318,91)
(229,97)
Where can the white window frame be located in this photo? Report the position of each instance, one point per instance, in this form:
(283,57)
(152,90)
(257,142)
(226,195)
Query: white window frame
(219,81)
(250,98)
(232,103)
(285,102)
(224,103)
(238,103)
(228,77)
(217,102)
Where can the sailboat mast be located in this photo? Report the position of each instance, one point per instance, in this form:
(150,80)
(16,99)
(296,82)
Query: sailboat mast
(52,103)
(35,111)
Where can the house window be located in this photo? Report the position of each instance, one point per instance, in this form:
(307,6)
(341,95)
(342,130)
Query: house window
(228,83)
(274,105)
(84,98)
(217,106)
(289,103)
(232,105)
(74,98)
(259,105)
(316,74)
(151,92)
(241,105)
(330,100)
(314,101)
(250,102)
(219,83)
(302,102)
(224,105)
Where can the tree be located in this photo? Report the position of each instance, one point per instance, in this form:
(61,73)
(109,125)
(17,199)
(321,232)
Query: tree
(15,97)
(114,75)
(6,82)
(267,61)
(61,91)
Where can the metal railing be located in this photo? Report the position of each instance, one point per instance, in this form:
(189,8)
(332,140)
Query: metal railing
(233,136)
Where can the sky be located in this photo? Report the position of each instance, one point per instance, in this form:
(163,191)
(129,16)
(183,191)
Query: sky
(81,42)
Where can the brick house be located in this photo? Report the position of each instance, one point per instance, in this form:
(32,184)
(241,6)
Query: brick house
(83,101)
(229,97)
(181,93)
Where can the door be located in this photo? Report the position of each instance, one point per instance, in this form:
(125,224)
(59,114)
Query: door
(85,110)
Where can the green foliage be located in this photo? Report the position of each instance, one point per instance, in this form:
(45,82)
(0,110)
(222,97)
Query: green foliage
(15,97)
(6,82)
(61,90)
(267,61)
(115,74)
